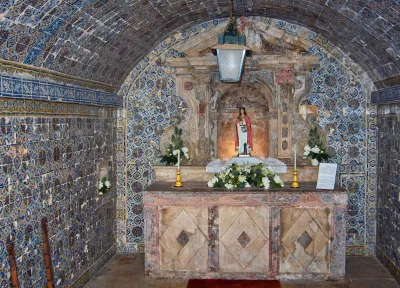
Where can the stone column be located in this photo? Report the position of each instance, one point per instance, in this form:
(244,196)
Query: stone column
(202,90)
(273,134)
(285,121)
(285,91)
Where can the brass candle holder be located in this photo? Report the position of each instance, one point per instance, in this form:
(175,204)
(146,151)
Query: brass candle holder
(178,182)
(295,183)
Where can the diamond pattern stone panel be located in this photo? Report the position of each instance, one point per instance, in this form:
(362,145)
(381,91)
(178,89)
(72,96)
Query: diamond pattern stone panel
(183,239)
(244,239)
(183,242)
(305,240)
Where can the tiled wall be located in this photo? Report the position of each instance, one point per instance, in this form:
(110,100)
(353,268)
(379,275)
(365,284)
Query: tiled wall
(340,90)
(49,156)
(341,97)
(388,193)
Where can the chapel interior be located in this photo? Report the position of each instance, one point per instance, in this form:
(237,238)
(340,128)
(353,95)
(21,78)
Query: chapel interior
(92,91)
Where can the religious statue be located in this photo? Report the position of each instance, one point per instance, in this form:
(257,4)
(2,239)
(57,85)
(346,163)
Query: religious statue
(243,136)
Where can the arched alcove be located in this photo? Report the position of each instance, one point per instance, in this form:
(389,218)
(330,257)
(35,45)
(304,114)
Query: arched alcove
(257,103)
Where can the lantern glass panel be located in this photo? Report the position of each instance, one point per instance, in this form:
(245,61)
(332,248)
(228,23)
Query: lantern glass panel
(230,64)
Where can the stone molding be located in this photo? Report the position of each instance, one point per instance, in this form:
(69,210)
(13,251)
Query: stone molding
(26,107)
(11,67)
(386,96)
(187,65)
(33,89)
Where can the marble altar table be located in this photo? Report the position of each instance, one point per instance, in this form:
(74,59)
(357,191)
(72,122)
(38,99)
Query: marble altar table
(281,233)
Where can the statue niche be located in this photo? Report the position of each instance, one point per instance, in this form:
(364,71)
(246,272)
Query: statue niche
(257,103)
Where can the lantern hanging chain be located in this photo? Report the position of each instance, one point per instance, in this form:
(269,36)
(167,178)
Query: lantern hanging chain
(231,2)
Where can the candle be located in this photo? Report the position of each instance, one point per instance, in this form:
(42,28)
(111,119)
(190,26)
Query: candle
(295,156)
(179,157)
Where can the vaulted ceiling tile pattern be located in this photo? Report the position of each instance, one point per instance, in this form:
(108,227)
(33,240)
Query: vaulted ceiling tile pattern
(103,40)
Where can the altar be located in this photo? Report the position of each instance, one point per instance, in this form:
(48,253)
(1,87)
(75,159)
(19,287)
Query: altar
(281,233)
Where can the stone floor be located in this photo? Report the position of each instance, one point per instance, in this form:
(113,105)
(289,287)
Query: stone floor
(124,271)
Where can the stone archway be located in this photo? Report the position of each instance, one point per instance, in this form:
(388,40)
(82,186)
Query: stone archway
(257,102)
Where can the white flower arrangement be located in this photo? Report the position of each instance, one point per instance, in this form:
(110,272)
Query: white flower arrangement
(315,153)
(103,186)
(176,151)
(244,176)
(314,148)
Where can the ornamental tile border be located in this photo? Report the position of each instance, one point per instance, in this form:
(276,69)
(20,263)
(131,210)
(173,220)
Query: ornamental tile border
(32,89)
(11,67)
(10,106)
(371,180)
(355,251)
(386,95)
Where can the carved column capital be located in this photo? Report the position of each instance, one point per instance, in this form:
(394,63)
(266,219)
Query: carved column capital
(202,86)
(202,78)
(284,76)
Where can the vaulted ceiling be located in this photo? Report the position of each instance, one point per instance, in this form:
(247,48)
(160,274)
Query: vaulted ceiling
(103,40)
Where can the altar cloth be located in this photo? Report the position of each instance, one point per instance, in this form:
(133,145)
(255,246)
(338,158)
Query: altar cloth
(219,165)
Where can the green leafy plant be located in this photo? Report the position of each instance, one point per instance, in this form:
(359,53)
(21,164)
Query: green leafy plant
(246,175)
(313,137)
(103,186)
(314,149)
(175,147)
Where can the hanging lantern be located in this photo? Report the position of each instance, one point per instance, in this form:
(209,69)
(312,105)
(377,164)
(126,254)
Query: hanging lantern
(231,52)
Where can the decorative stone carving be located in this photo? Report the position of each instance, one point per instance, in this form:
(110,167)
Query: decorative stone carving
(243,235)
(305,240)
(214,103)
(246,95)
(183,237)
(285,121)
(263,77)
(188,85)
(244,239)
(284,76)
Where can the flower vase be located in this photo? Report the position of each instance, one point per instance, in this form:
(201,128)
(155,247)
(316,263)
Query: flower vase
(314,162)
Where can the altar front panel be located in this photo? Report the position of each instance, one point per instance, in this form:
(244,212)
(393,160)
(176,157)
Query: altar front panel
(183,238)
(199,232)
(244,239)
(305,240)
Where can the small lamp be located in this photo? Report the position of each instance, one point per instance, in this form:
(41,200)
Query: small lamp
(230,53)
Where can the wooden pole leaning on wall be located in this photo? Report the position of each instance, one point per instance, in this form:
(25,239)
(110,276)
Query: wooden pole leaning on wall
(47,256)
(13,265)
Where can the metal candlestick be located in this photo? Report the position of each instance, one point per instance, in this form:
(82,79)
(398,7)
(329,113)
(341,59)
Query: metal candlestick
(178,182)
(295,183)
